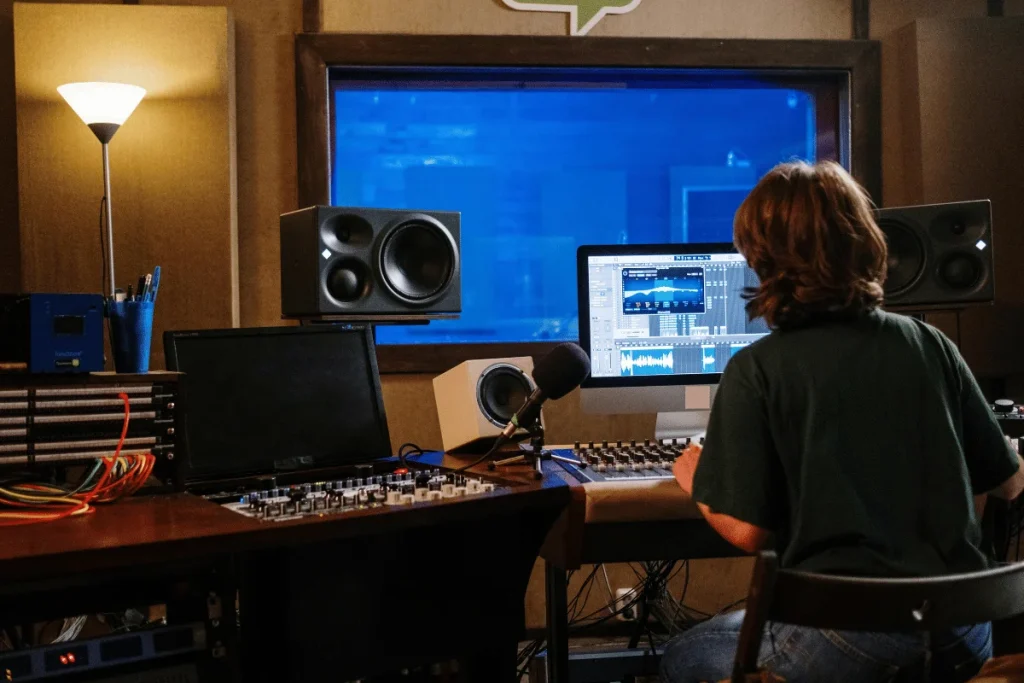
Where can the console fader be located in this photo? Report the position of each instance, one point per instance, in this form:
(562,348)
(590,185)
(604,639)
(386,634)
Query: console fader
(624,461)
(360,493)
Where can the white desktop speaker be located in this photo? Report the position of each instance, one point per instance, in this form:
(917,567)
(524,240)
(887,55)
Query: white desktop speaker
(477,399)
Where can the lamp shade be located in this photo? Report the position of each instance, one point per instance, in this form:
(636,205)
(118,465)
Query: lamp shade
(102,103)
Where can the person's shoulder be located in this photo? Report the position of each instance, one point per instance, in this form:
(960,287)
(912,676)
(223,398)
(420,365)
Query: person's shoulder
(745,362)
(912,327)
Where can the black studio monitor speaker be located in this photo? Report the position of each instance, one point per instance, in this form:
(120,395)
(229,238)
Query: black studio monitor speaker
(939,255)
(370,263)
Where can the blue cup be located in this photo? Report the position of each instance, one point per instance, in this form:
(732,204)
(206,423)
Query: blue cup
(131,334)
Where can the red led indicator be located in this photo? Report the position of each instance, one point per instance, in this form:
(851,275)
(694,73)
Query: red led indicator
(401,470)
(63,659)
(71,657)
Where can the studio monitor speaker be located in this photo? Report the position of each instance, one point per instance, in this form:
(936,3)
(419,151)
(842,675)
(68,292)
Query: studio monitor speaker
(477,399)
(369,262)
(939,254)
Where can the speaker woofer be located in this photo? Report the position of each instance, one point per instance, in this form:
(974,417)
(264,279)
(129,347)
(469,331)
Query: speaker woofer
(502,390)
(906,257)
(417,260)
(348,281)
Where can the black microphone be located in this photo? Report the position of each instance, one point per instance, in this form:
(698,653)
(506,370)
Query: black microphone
(555,375)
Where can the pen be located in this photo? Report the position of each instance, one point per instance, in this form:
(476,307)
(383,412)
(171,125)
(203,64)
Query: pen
(156,284)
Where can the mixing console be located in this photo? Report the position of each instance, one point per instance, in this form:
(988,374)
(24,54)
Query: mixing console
(346,495)
(623,461)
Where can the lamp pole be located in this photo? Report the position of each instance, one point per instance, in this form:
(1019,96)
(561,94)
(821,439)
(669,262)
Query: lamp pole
(110,218)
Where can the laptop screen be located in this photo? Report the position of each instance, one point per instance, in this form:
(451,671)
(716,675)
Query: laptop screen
(272,400)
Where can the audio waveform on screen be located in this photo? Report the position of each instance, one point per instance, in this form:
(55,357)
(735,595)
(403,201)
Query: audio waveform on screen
(633,362)
(663,290)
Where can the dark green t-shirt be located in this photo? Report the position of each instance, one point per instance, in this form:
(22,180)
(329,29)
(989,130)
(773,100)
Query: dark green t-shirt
(860,443)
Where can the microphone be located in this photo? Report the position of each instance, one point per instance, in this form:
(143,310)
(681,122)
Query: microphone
(555,375)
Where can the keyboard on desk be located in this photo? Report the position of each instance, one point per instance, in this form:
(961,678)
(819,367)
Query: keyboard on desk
(622,461)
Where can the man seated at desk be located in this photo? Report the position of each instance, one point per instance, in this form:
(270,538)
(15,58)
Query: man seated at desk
(854,440)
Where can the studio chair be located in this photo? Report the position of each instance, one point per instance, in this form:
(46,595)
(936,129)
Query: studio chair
(865,604)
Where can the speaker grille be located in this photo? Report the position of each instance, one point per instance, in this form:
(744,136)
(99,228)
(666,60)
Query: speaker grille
(502,390)
(417,261)
(906,257)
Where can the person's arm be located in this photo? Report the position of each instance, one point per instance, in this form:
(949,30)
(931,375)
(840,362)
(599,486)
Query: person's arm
(1012,487)
(736,480)
(745,536)
(994,467)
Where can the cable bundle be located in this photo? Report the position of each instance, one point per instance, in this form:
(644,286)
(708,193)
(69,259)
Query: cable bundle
(109,479)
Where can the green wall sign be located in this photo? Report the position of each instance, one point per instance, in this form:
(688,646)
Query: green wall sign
(583,14)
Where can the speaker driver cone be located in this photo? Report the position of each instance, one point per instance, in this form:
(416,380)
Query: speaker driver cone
(348,280)
(906,257)
(417,261)
(960,270)
(502,390)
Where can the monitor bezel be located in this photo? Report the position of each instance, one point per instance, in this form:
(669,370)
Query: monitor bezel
(583,254)
(211,474)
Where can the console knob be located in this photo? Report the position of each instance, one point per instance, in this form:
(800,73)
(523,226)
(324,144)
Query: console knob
(576,446)
(1003,405)
(318,487)
(349,483)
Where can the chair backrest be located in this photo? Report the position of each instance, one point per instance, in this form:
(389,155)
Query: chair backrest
(868,604)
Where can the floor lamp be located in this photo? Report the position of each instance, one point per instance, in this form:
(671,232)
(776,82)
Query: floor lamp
(104,107)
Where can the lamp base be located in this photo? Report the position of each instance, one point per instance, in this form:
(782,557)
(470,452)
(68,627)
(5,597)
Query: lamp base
(104,131)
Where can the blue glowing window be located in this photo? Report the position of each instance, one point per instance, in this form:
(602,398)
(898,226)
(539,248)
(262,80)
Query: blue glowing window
(540,161)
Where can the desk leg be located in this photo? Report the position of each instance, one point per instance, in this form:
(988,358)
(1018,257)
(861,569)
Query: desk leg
(558,623)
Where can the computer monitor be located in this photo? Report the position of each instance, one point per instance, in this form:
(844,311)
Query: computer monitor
(276,400)
(660,323)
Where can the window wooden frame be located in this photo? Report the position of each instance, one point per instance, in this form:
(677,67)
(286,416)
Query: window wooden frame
(315,53)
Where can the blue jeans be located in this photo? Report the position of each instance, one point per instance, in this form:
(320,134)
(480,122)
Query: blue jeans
(807,655)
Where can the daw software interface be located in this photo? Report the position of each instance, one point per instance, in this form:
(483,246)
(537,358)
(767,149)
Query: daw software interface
(668,314)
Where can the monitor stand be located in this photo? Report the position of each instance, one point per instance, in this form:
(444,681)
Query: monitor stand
(691,422)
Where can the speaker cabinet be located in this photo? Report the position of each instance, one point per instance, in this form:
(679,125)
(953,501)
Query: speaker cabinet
(475,400)
(370,263)
(939,255)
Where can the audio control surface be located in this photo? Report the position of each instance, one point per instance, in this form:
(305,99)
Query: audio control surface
(347,495)
(621,461)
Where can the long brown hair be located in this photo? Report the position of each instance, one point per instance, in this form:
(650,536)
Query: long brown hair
(809,233)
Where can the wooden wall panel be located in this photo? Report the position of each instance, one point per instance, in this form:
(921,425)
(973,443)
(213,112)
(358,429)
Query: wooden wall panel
(953,132)
(888,16)
(673,18)
(172,163)
(10,242)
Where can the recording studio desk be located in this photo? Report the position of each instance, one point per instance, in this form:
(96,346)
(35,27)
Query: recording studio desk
(616,522)
(320,599)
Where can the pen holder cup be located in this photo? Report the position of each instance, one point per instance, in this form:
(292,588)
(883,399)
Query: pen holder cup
(131,334)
